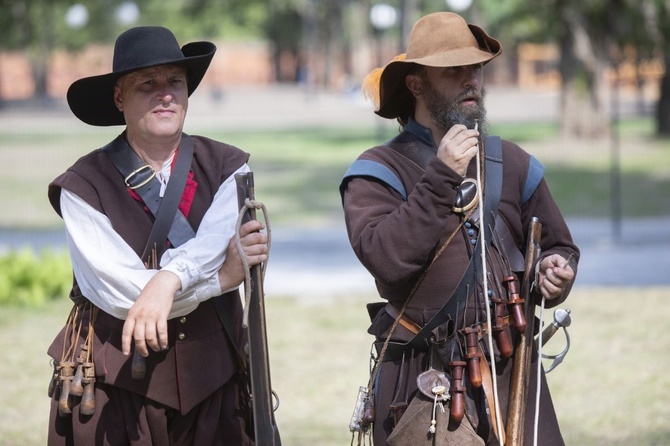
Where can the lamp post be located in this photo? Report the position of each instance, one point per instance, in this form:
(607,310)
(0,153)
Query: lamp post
(382,17)
(76,16)
(459,5)
(127,13)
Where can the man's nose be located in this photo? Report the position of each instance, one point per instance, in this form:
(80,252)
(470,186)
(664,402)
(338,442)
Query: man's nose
(165,93)
(471,76)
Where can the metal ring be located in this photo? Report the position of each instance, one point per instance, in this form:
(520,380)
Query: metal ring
(276,398)
(460,198)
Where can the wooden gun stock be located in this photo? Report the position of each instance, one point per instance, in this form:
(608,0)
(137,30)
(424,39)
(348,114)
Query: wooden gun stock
(516,414)
(265,427)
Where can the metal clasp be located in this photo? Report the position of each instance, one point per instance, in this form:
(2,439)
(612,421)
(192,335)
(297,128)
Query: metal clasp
(136,172)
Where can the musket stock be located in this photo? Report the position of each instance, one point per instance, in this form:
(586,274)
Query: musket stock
(265,427)
(516,413)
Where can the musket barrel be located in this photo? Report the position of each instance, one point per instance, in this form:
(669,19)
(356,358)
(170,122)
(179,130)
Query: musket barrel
(521,370)
(265,428)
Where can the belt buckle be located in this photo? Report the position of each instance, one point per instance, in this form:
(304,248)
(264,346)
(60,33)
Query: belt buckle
(137,172)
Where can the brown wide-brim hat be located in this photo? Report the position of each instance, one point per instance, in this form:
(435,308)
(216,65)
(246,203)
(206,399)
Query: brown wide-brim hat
(441,39)
(91,99)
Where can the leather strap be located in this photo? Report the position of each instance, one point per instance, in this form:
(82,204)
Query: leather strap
(169,223)
(456,302)
(406,322)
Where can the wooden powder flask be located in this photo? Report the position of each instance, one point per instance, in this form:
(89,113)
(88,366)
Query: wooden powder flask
(87,406)
(500,330)
(515,302)
(457,391)
(76,387)
(65,377)
(472,356)
(368,413)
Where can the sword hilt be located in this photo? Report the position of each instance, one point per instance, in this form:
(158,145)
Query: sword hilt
(561,320)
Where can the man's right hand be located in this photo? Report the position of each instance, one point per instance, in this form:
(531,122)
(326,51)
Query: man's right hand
(255,247)
(458,146)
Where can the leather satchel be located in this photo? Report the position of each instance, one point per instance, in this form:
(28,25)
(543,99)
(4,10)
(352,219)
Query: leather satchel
(413,427)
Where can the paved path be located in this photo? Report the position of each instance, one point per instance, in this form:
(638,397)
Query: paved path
(317,263)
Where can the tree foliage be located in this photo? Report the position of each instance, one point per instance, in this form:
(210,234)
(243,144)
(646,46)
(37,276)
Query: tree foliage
(591,35)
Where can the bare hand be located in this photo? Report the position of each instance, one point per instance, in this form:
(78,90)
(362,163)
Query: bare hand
(146,323)
(255,247)
(554,276)
(458,146)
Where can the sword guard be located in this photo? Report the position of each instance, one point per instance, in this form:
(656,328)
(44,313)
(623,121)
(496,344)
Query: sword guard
(561,320)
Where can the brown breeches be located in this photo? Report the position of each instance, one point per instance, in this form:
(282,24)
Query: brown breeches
(125,418)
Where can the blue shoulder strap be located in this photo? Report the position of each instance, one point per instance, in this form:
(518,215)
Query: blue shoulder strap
(535,172)
(369,168)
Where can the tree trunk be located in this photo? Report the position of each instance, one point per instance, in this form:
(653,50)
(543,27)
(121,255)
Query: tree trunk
(582,112)
(663,105)
(39,63)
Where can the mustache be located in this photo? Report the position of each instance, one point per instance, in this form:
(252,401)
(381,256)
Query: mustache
(470,93)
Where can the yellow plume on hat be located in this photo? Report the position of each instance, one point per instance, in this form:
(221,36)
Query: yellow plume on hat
(371,82)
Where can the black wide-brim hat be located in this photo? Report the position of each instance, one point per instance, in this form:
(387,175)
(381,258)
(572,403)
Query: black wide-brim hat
(91,99)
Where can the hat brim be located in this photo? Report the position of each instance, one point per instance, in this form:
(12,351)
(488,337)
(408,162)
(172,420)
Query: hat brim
(91,99)
(394,97)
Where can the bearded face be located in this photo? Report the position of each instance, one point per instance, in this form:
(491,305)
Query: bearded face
(446,112)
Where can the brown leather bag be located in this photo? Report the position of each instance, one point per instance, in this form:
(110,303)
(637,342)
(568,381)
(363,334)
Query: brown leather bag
(414,424)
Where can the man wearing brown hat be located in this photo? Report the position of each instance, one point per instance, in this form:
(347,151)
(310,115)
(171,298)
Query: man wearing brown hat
(416,222)
(149,354)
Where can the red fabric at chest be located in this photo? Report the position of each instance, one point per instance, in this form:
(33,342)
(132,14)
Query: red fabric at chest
(186,197)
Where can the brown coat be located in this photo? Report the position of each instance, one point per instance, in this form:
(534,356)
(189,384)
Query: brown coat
(396,239)
(200,358)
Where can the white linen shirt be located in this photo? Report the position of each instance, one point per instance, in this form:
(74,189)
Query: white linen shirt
(111,275)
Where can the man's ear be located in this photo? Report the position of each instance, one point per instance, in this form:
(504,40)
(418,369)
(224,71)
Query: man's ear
(414,84)
(117,98)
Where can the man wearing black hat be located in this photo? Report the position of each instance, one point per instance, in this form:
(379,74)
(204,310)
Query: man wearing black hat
(149,354)
(416,221)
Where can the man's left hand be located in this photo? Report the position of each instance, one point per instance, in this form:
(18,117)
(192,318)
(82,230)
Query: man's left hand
(554,276)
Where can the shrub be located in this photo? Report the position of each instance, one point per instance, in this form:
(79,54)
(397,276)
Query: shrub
(30,280)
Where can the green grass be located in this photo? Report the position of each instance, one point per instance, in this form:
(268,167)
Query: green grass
(298,171)
(610,390)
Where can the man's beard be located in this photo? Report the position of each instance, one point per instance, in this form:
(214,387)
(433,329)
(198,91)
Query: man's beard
(446,114)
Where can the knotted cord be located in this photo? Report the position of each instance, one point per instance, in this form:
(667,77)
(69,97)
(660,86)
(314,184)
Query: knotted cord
(539,372)
(250,204)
